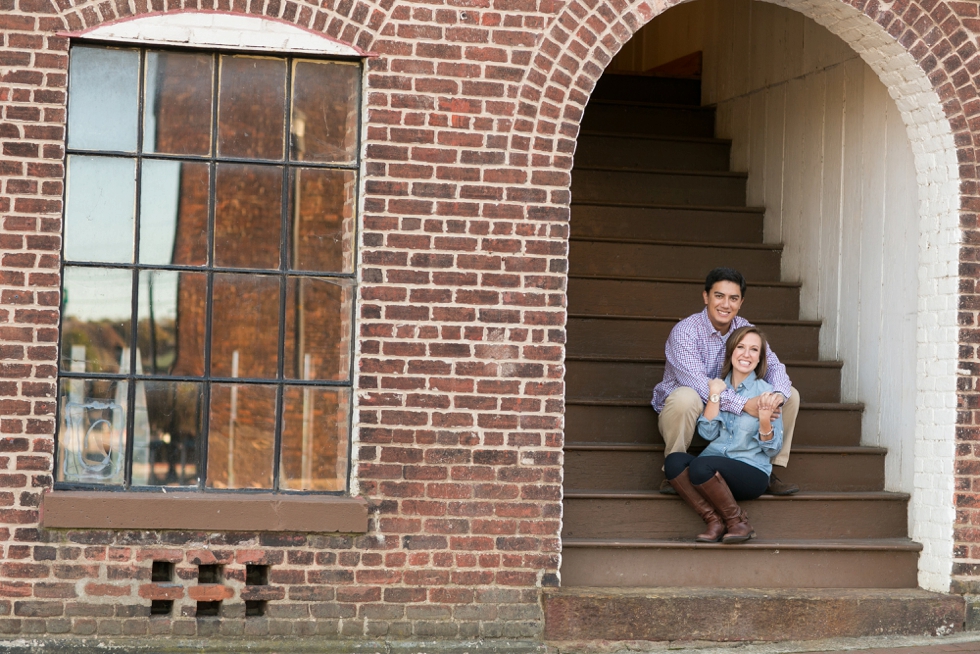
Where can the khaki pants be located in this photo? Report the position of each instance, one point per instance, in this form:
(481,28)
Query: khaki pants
(678,421)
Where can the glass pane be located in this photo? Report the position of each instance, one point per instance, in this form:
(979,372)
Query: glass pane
(103,99)
(321,217)
(318,328)
(314,438)
(92,431)
(96,313)
(251,107)
(248,216)
(242,436)
(100,208)
(325,103)
(168,430)
(178,103)
(245,326)
(170,323)
(174,213)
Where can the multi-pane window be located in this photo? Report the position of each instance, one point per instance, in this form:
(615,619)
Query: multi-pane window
(208,275)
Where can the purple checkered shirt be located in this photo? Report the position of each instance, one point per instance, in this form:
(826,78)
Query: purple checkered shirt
(695,353)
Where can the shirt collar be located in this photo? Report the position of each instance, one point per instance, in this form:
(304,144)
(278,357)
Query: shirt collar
(748,380)
(711,328)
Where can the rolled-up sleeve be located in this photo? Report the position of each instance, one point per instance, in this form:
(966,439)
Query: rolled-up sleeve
(772,446)
(709,429)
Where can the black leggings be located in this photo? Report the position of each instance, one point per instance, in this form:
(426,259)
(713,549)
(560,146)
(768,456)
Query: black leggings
(746,482)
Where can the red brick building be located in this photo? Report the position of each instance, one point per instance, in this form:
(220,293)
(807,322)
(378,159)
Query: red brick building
(287,340)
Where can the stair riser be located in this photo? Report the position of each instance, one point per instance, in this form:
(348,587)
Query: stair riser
(623,380)
(658,188)
(647,89)
(813,471)
(744,615)
(650,120)
(670,518)
(640,298)
(727,567)
(626,424)
(666,224)
(681,261)
(647,338)
(621,151)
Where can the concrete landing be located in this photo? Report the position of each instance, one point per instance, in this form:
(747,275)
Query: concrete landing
(709,614)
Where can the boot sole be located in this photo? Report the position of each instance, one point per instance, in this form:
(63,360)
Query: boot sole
(737,539)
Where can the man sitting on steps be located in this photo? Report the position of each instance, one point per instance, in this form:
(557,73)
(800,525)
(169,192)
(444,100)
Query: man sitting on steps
(695,351)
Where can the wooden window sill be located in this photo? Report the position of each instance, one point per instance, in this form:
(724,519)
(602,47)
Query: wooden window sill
(203,512)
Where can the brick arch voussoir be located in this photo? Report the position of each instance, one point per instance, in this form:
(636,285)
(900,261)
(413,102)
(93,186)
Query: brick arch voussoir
(353,22)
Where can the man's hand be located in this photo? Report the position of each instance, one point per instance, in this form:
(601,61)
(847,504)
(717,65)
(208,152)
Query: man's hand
(775,400)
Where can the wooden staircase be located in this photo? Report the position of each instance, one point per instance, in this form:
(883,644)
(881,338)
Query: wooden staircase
(654,208)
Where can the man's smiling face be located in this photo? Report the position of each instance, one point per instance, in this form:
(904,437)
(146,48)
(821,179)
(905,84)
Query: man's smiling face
(723,302)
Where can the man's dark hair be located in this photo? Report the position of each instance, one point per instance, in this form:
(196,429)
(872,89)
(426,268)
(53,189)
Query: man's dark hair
(724,275)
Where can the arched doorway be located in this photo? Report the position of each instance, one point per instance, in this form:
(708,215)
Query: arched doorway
(860,198)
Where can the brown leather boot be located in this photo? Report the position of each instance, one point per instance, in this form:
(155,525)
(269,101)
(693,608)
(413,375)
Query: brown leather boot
(716,528)
(716,491)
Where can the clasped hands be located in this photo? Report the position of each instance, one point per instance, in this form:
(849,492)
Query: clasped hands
(765,406)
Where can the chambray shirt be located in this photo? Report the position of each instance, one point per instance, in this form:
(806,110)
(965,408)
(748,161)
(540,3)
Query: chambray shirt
(737,436)
(695,353)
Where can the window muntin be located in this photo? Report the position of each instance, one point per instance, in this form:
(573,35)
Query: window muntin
(208,278)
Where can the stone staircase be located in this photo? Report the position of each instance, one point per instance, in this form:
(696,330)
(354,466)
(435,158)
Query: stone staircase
(654,208)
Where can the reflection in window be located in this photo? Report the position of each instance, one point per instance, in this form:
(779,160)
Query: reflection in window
(208,285)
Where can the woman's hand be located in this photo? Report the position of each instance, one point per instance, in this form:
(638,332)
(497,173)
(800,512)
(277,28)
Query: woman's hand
(717,386)
(768,402)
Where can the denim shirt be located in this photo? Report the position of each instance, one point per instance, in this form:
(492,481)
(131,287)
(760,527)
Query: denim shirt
(736,436)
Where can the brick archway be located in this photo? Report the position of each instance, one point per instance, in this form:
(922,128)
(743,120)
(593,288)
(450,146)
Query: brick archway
(926,56)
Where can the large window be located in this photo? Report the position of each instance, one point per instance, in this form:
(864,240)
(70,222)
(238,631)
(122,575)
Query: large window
(208,275)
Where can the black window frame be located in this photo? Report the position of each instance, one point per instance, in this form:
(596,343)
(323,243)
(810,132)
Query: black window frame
(283,274)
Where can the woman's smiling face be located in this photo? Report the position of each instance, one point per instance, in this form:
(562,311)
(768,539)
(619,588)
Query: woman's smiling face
(745,357)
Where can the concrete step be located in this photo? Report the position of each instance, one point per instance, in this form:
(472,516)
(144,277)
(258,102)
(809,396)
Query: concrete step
(602,295)
(745,614)
(758,563)
(669,222)
(618,421)
(658,186)
(684,259)
(646,337)
(650,118)
(609,378)
(648,514)
(638,467)
(608,148)
(639,88)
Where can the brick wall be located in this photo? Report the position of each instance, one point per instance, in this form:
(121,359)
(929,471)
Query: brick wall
(471,114)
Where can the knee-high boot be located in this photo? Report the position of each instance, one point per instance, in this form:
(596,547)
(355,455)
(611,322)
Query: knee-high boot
(685,489)
(716,491)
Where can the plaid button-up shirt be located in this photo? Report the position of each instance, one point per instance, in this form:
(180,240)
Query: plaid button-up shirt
(695,353)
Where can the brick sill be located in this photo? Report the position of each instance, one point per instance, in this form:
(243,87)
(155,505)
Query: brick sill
(203,512)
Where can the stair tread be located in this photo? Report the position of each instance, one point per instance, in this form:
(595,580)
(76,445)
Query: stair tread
(854,544)
(654,137)
(656,360)
(747,593)
(605,316)
(673,207)
(679,280)
(658,447)
(663,171)
(579,494)
(693,244)
(634,402)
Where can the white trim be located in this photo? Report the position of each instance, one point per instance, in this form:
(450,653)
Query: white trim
(218,30)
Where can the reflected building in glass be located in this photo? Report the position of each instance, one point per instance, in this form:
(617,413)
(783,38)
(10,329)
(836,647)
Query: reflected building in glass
(217,322)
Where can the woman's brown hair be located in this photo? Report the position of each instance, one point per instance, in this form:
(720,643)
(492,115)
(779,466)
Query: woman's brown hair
(734,340)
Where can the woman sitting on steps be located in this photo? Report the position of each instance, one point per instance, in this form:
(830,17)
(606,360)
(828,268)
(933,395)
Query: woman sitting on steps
(736,464)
